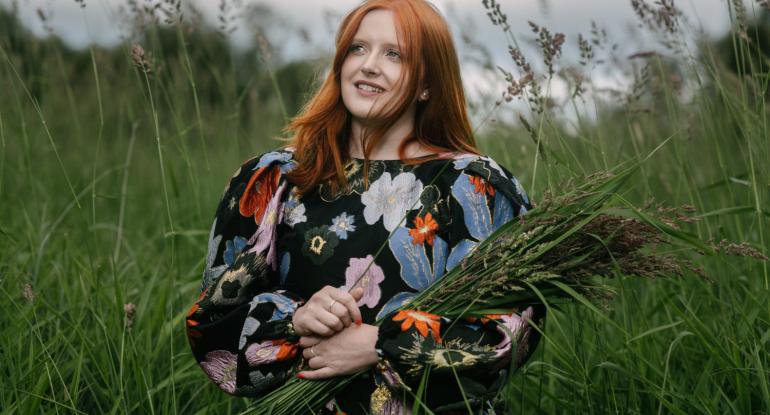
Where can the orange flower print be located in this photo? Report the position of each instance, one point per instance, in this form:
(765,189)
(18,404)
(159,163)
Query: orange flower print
(422,321)
(261,187)
(424,230)
(481,186)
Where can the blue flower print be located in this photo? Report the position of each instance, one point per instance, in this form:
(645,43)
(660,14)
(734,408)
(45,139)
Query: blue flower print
(342,224)
(284,268)
(462,161)
(282,157)
(283,304)
(397,301)
(478,219)
(522,193)
(416,270)
(233,248)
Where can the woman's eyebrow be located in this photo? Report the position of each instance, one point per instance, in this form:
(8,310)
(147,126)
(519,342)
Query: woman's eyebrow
(387,45)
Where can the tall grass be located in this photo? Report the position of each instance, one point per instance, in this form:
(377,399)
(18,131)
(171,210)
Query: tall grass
(110,173)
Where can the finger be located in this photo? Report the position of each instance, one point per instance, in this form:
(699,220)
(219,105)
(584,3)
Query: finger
(342,313)
(347,300)
(307,354)
(309,341)
(357,293)
(298,320)
(330,320)
(323,373)
(318,328)
(316,362)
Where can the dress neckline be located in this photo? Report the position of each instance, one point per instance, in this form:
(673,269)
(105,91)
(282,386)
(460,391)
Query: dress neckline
(400,160)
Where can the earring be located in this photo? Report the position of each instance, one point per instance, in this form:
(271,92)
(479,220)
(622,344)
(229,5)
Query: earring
(425,95)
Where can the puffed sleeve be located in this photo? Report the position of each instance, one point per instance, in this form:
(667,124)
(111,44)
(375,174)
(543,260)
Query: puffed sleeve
(477,352)
(240,329)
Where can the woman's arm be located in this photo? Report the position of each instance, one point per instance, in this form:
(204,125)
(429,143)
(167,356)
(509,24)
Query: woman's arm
(465,357)
(241,327)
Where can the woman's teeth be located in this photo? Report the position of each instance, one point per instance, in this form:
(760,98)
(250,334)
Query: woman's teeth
(369,88)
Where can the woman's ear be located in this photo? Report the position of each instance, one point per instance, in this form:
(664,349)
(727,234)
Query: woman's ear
(424,92)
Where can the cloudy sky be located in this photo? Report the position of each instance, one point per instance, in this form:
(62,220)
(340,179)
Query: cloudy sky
(98,22)
(305,28)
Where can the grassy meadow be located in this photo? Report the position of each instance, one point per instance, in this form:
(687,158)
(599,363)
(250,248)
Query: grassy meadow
(112,163)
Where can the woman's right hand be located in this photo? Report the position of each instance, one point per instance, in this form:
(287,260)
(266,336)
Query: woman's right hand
(317,318)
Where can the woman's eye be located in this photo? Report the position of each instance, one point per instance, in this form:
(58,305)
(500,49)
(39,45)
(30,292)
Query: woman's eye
(394,53)
(355,48)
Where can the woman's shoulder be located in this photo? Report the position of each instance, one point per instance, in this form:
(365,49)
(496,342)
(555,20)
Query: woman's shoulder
(281,157)
(484,171)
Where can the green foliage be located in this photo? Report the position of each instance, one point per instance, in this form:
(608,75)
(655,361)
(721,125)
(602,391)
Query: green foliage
(109,181)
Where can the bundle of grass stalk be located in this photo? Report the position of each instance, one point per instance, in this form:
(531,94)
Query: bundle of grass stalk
(562,249)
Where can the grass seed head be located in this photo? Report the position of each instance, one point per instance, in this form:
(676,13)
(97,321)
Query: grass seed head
(129,310)
(28,293)
(141,58)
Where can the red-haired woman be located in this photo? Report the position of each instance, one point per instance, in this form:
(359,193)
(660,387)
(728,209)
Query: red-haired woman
(381,191)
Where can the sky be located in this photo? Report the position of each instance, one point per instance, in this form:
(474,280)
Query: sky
(305,28)
(98,22)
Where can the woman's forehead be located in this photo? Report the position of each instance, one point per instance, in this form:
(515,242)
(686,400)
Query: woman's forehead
(378,26)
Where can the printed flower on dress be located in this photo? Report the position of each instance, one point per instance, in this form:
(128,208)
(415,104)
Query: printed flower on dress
(416,270)
(293,212)
(283,158)
(343,224)
(477,216)
(370,281)
(454,355)
(220,366)
(282,305)
(481,186)
(233,284)
(284,267)
(520,329)
(259,190)
(424,230)
(462,160)
(233,247)
(522,193)
(211,272)
(319,244)
(421,321)
(391,199)
(269,351)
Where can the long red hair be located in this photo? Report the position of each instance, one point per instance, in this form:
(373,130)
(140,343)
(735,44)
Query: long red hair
(321,131)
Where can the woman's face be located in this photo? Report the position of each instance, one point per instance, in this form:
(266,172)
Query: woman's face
(372,67)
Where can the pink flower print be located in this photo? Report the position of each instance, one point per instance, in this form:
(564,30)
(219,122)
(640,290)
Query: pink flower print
(261,353)
(516,324)
(220,366)
(370,281)
(264,239)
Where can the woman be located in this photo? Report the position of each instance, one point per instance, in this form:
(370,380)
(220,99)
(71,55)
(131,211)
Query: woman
(381,191)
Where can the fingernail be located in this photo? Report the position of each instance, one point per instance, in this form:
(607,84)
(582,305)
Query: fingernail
(359,322)
(300,375)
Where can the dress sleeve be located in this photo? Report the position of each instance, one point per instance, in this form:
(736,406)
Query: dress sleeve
(465,356)
(240,329)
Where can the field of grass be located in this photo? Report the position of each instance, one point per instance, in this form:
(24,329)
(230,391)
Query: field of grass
(111,164)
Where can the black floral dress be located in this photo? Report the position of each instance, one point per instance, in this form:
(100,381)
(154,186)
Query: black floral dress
(270,250)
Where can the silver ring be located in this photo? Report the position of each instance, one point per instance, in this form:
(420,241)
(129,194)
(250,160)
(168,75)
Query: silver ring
(332,305)
(312,351)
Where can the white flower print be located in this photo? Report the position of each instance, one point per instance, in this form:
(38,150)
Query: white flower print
(343,224)
(293,213)
(210,273)
(391,199)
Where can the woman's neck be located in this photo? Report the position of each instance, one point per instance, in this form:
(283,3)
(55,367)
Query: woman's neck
(387,148)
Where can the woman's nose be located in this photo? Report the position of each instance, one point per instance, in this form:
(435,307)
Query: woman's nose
(370,65)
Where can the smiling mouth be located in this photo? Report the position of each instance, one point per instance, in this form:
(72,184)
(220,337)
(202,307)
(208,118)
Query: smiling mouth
(369,88)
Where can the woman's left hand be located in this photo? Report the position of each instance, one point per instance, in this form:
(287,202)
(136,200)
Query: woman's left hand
(344,353)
